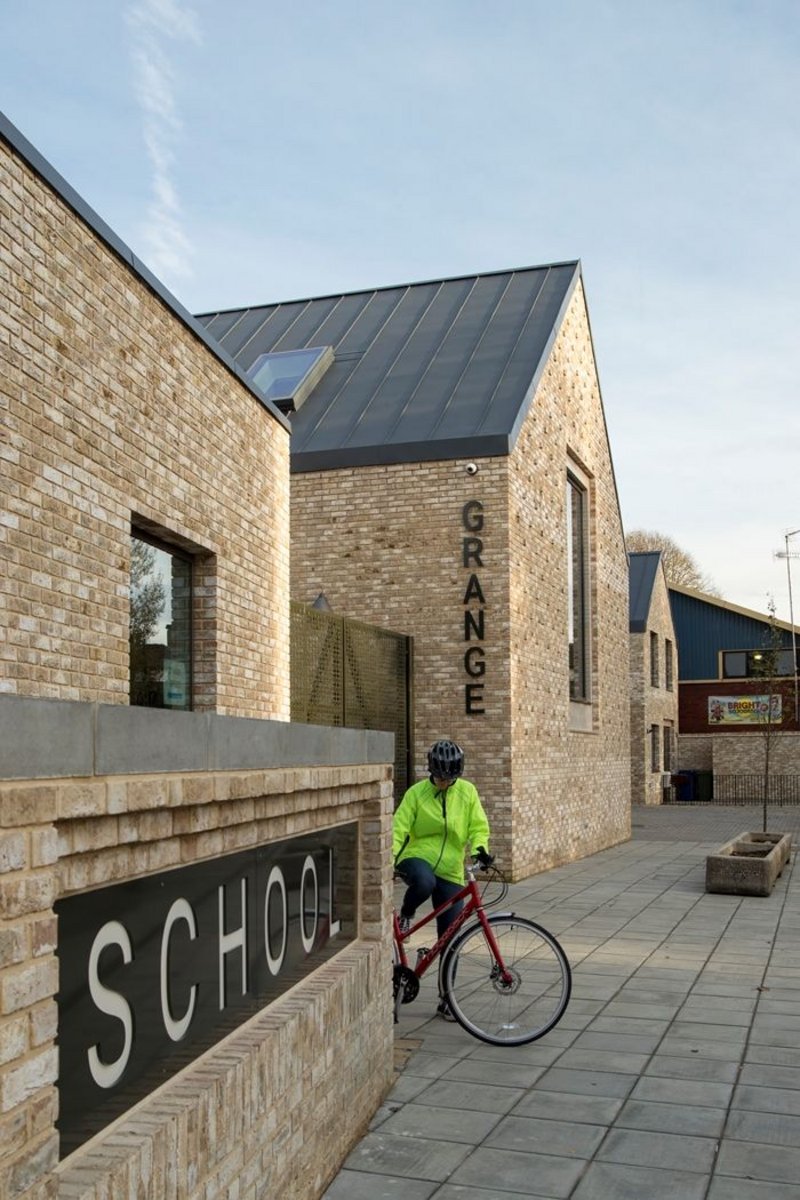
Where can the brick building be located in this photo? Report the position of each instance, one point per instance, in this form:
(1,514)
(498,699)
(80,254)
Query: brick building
(654,679)
(144,537)
(722,690)
(452,480)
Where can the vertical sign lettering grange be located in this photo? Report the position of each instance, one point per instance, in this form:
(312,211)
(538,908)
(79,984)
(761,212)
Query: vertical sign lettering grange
(474,608)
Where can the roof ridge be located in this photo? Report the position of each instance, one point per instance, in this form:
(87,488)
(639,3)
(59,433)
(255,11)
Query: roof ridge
(389,287)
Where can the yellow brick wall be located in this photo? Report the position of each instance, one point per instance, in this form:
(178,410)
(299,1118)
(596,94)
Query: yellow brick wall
(571,789)
(109,407)
(385,546)
(652,705)
(273,1092)
(113,410)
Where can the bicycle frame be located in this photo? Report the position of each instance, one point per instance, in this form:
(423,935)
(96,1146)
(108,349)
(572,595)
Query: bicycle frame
(472,907)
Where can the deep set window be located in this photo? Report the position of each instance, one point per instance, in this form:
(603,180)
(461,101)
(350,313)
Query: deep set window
(668,665)
(578,589)
(655,748)
(160,624)
(654,659)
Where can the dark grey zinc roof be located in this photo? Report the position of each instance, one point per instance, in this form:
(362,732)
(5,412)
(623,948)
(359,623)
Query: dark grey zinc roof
(641,577)
(442,369)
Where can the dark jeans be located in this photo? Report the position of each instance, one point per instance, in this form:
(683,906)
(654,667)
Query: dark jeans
(422,885)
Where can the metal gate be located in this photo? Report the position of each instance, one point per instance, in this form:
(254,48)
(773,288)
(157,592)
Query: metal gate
(344,672)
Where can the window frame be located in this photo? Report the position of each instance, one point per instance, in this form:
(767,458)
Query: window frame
(749,656)
(579,657)
(182,554)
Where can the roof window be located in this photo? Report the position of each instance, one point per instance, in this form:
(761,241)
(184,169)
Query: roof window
(287,377)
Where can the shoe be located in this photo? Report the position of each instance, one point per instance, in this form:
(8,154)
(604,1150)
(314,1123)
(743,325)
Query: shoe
(404,923)
(445,1011)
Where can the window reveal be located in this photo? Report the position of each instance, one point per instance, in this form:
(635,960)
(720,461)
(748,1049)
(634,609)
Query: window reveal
(655,748)
(654,680)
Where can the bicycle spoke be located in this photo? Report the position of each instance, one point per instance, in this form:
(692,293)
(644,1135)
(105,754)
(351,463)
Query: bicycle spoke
(521,1007)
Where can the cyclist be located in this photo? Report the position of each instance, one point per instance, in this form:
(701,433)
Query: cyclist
(436,820)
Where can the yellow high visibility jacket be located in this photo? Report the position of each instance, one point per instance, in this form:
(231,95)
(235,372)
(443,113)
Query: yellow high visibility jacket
(438,826)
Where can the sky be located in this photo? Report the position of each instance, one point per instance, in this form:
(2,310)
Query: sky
(259,151)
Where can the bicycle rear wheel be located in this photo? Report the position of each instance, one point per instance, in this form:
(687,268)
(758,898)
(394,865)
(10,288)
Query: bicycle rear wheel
(521,1009)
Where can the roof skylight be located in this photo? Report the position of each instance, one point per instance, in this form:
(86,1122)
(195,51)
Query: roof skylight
(288,376)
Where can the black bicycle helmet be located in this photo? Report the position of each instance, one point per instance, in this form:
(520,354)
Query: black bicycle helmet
(445,760)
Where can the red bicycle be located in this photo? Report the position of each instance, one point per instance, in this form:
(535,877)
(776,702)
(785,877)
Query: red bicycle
(506,979)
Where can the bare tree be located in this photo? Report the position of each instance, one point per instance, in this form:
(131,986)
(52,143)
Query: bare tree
(680,567)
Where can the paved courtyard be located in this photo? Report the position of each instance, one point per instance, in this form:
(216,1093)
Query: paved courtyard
(673,1075)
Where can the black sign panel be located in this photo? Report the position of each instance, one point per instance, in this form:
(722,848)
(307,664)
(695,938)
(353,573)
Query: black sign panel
(155,971)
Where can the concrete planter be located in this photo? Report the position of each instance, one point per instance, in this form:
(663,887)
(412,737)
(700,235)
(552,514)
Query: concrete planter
(749,864)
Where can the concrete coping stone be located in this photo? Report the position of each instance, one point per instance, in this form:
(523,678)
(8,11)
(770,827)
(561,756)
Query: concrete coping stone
(58,739)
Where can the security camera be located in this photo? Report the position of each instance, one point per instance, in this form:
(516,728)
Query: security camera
(471,468)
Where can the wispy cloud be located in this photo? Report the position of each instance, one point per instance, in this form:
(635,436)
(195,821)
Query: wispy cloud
(153,25)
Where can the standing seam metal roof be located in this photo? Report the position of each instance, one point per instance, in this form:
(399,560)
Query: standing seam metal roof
(441,369)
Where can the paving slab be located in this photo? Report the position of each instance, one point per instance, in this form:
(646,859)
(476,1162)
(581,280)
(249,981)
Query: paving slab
(568,1106)
(695,1120)
(675,1072)
(774,1129)
(407,1157)
(629,1026)
(763,1099)
(769,1075)
(531,1174)
(470,1096)
(359,1185)
(620,1181)
(702,1069)
(759,1160)
(781,1056)
(723,1049)
(587,1083)
(603,1061)
(482,1071)
(725,1188)
(454,1191)
(642,1148)
(538,1135)
(445,1124)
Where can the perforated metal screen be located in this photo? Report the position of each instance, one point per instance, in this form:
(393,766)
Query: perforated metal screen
(344,672)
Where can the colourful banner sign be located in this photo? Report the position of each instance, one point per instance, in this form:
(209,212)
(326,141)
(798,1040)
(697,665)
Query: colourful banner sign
(743,710)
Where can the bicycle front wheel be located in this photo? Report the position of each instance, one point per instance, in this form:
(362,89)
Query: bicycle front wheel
(528,1002)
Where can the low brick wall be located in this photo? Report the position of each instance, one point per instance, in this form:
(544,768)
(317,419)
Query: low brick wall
(274,1107)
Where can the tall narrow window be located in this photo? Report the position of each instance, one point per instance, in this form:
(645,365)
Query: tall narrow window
(655,748)
(668,739)
(160,624)
(578,590)
(654,659)
(668,665)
